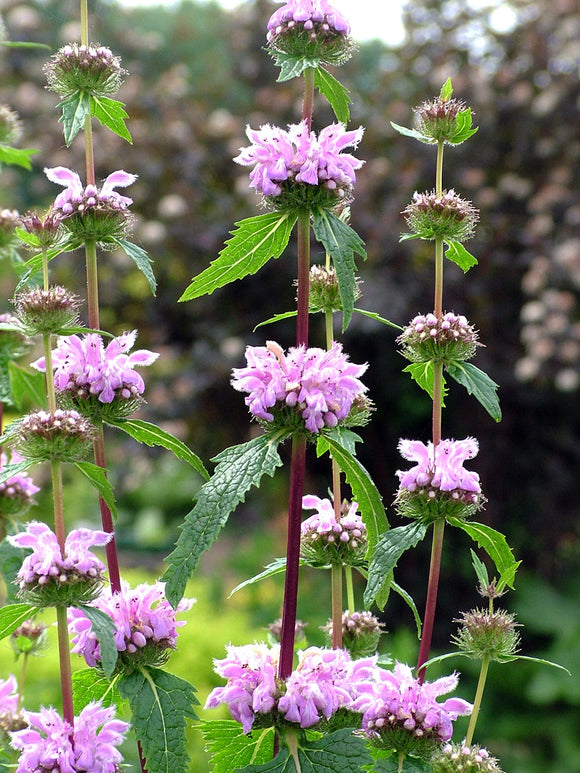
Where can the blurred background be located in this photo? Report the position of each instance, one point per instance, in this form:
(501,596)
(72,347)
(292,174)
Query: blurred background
(198,75)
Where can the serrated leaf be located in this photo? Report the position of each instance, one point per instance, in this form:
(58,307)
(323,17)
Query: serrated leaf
(378,318)
(91,685)
(423,374)
(478,384)
(230,749)
(457,253)
(75,109)
(495,545)
(408,599)
(464,129)
(254,242)
(97,477)
(480,569)
(9,470)
(112,114)
(341,242)
(16,156)
(103,627)
(407,765)
(152,435)
(26,385)
(13,615)
(160,705)
(346,437)
(238,469)
(387,552)
(336,94)
(364,490)
(412,133)
(446,90)
(276,318)
(141,259)
(292,66)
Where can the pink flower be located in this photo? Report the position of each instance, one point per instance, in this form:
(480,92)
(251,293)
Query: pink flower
(51,744)
(78,198)
(19,486)
(8,695)
(307,12)
(440,467)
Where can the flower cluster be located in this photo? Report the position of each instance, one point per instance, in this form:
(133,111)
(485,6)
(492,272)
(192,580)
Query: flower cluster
(43,311)
(145,622)
(401,712)
(438,485)
(323,682)
(51,744)
(310,28)
(438,118)
(16,493)
(458,758)
(361,632)
(90,373)
(324,293)
(93,69)
(29,638)
(441,216)
(52,577)
(45,231)
(444,339)
(295,169)
(320,386)
(489,635)
(327,539)
(63,435)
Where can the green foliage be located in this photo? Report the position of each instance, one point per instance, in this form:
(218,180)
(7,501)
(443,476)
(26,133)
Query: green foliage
(293,66)
(457,254)
(75,110)
(89,685)
(104,629)
(97,477)
(11,558)
(239,468)
(112,114)
(253,243)
(141,259)
(230,749)
(16,156)
(335,93)
(160,703)
(495,545)
(391,764)
(478,384)
(423,374)
(26,385)
(14,469)
(13,615)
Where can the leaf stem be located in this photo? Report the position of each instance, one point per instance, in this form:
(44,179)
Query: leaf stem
(349,588)
(431,601)
(336,584)
(308,101)
(65,665)
(303,278)
(477,701)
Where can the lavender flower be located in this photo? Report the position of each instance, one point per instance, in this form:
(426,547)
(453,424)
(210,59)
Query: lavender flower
(10,717)
(51,744)
(49,577)
(361,632)
(295,169)
(16,493)
(146,625)
(63,435)
(320,386)
(326,539)
(402,713)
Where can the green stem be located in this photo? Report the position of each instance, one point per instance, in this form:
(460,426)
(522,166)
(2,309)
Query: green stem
(336,584)
(477,702)
(349,588)
(431,602)
(308,101)
(439,169)
(92,284)
(58,503)
(21,680)
(65,665)
(303,278)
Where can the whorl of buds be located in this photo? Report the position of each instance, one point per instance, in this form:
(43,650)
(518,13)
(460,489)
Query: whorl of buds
(441,216)
(47,311)
(275,631)
(93,69)
(489,635)
(9,221)
(324,293)
(13,342)
(10,126)
(440,339)
(16,493)
(456,758)
(29,638)
(61,435)
(437,118)
(328,539)
(45,231)
(361,632)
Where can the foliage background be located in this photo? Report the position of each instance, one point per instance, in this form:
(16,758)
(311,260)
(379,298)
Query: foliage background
(197,75)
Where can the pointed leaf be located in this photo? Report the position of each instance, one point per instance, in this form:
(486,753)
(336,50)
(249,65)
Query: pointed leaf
(292,66)
(278,566)
(446,91)
(335,93)
(160,704)
(377,318)
(422,373)
(91,685)
(495,545)
(480,569)
(364,490)
(75,109)
(478,384)
(412,133)
(16,156)
(389,549)
(276,318)
(408,599)
(239,468)
(152,435)
(346,437)
(9,470)
(341,242)
(103,627)
(26,385)
(457,253)
(464,129)
(97,477)
(112,114)
(254,242)
(230,749)
(13,615)
(142,261)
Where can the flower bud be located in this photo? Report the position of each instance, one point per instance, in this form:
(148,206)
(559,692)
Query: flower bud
(16,493)
(441,216)
(29,638)
(440,339)
(93,69)
(47,231)
(63,436)
(456,758)
(324,294)
(9,221)
(275,631)
(10,126)
(438,119)
(361,632)
(487,635)
(47,311)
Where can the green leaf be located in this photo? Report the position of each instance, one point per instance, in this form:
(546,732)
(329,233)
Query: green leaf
(480,569)
(363,489)
(26,385)
(407,765)
(464,129)
(278,566)
(276,318)
(238,469)
(389,549)
(75,109)
(13,615)
(338,752)
(292,66)
(89,685)
(253,243)
(422,373)
(346,437)
(112,114)
(152,435)
(446,90)
(24,44)
(141,259)
(9,470)
(230,749)
(478,384)
(412,133)
(542,662)
(335,93)
(11,558)
(104,629)
(16,156)
(97,477)
(377,318)
(160,704)
(457,253)
(341,242)
(408,599)
(495,545)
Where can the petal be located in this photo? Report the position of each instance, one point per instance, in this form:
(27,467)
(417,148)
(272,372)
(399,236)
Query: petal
(63,176)
(118,179)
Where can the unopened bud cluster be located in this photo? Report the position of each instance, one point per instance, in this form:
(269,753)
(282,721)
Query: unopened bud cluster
(489,635)
(441,216)
(48,311)
(10,126)
(442,339)
(13,342)
(361,632)
(29,638)
(93,69)
(456,758)
(437,118)
(46,230)
(9,221)
(62,435)
(324,293)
